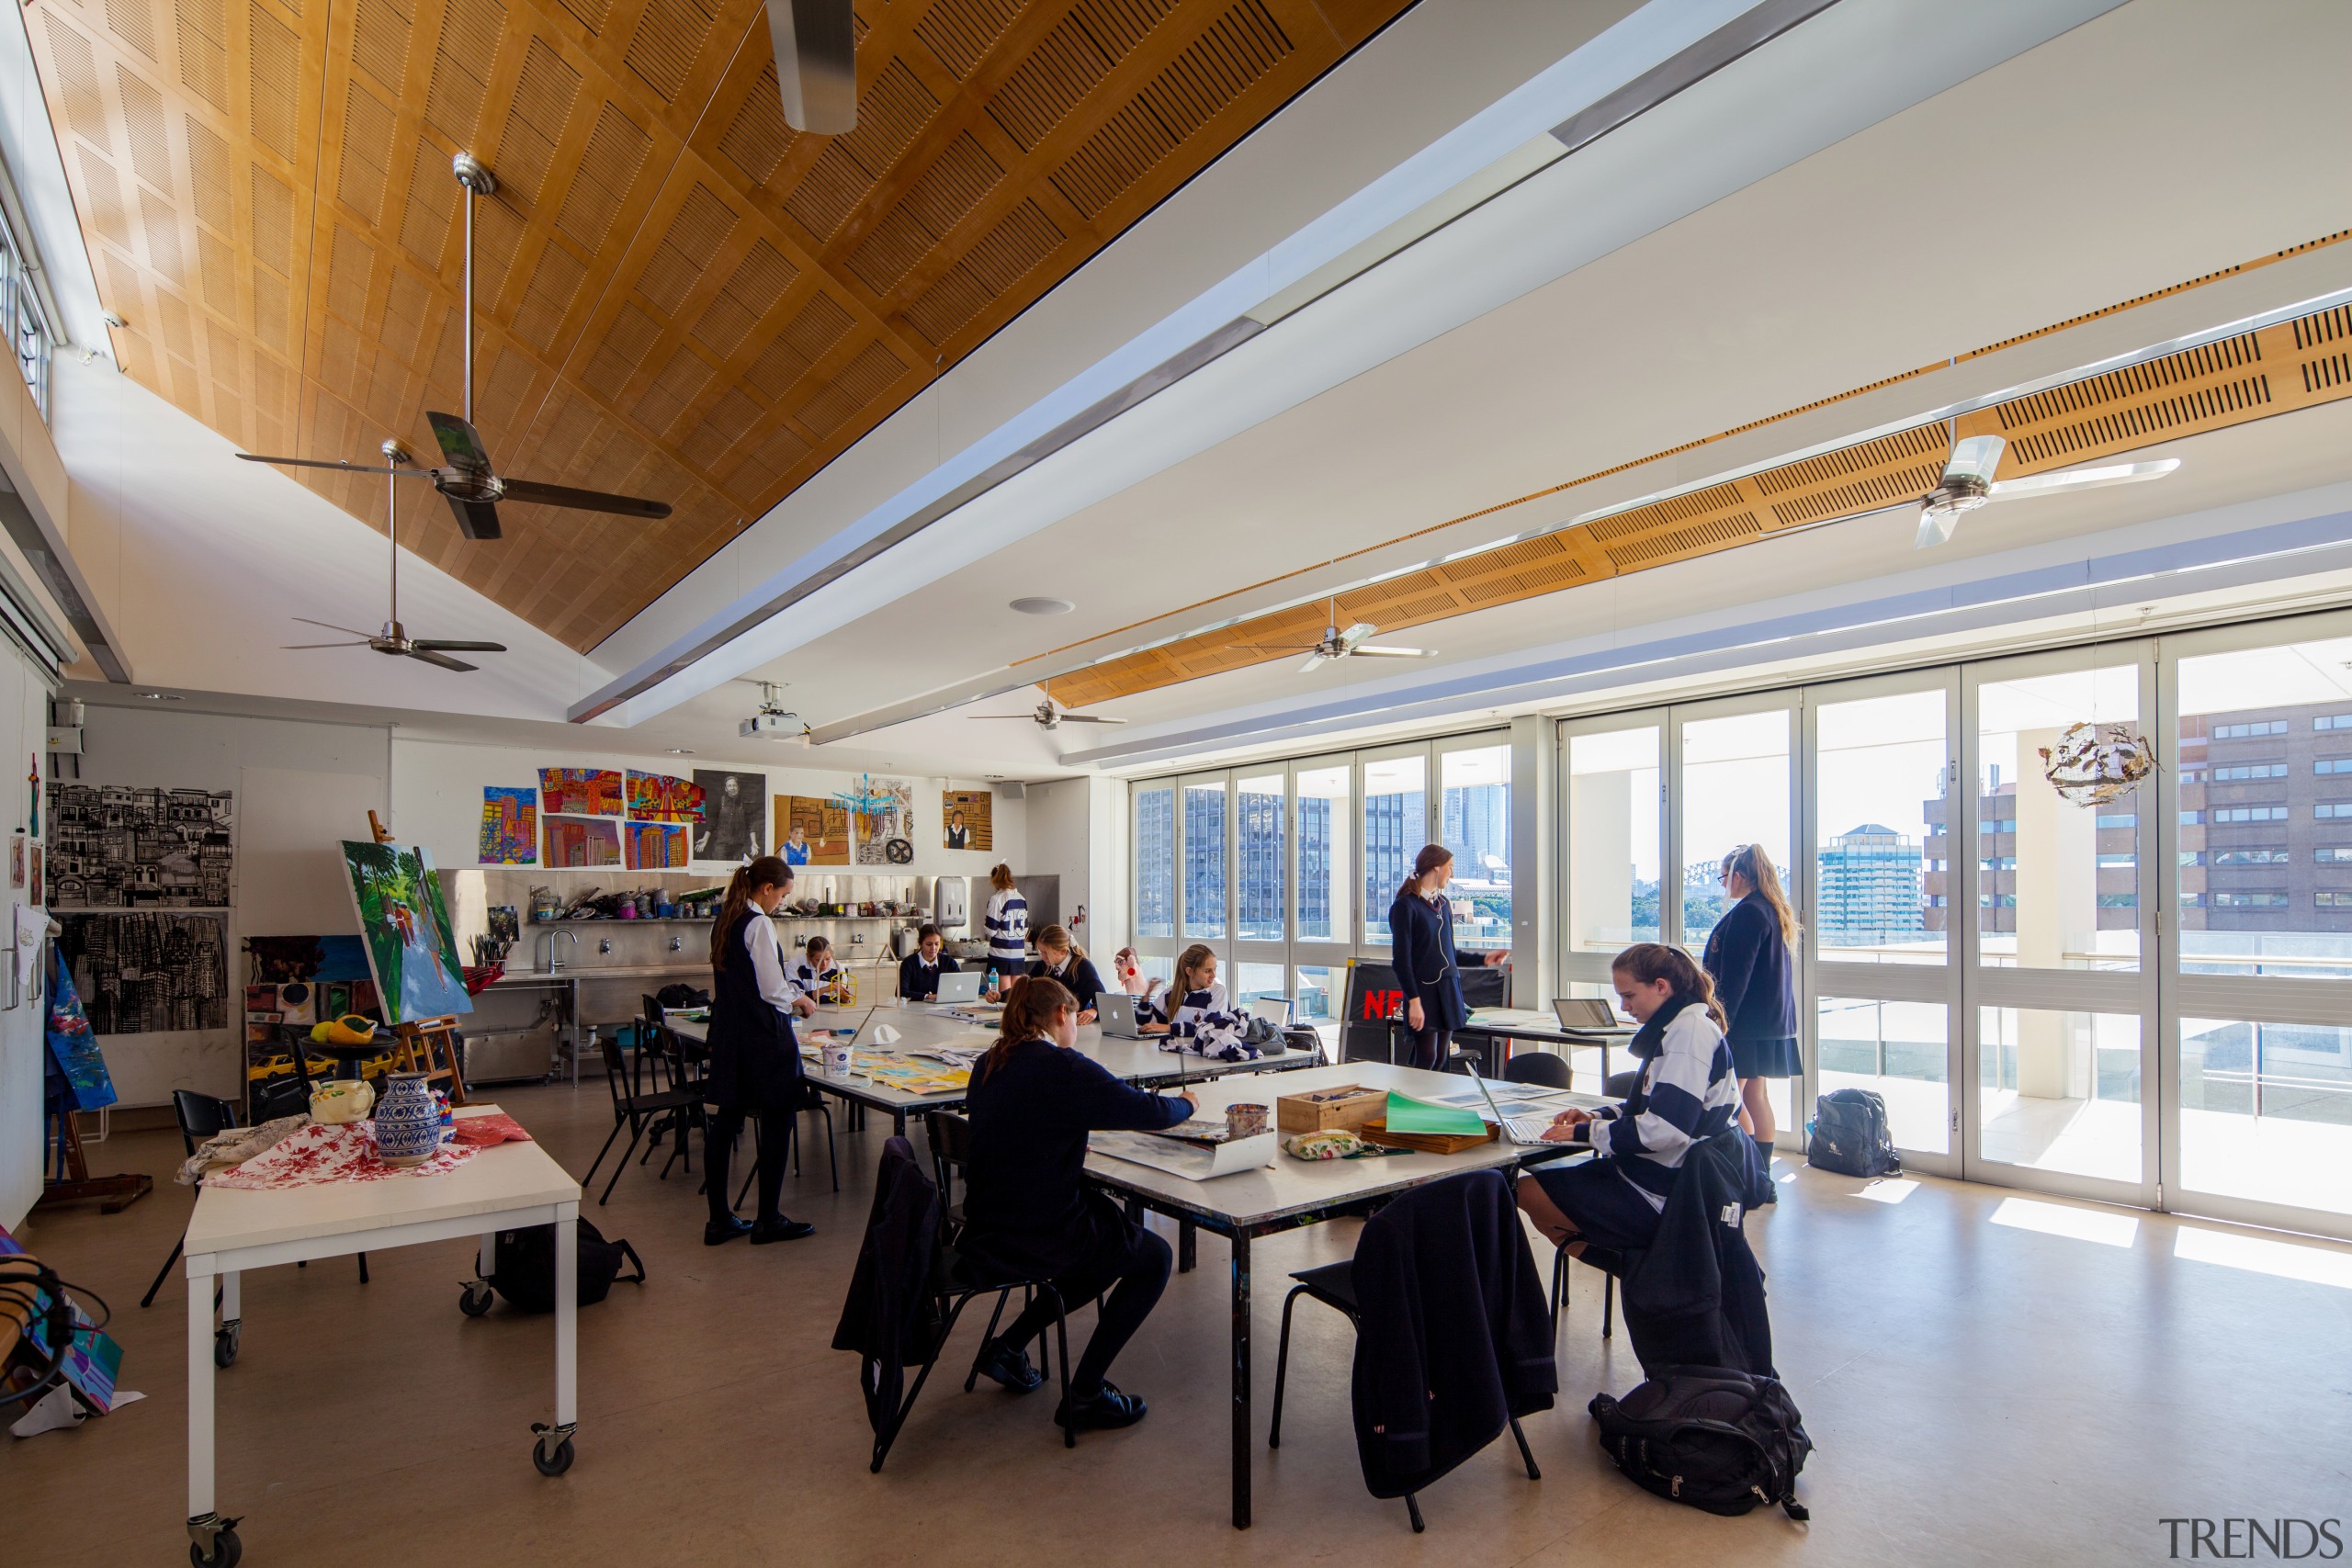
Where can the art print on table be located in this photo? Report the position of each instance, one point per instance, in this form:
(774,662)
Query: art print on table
(660,798)
(404,920)
(811,830)
(576,842)
(655,846)
(966,816)
(510,825)
(590,792)
(734,816)
(117,847)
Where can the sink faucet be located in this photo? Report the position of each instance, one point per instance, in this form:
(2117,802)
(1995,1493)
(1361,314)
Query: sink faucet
(547,944)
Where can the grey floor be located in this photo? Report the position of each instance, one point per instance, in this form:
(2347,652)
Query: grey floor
(1991,1378)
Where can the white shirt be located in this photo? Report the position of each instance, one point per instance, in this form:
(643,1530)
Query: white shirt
(767,949)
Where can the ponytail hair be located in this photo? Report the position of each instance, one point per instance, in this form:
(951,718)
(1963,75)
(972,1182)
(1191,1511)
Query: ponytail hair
(1058,936)
(1030,1009)
(1750,861)
(1650,962)
(748,878)
(1001,877)
(1429,860)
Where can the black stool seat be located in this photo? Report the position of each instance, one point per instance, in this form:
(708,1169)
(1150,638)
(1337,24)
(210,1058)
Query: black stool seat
(1333,1284)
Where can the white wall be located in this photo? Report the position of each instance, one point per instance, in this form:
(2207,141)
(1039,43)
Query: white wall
(24,722)
(299,786)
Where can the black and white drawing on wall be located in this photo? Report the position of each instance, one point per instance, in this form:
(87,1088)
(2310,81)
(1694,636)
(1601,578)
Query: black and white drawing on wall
(114,847)
(143,974)
(734,815)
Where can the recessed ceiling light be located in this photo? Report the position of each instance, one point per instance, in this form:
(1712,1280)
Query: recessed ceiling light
(681,750)
(158,696)
(1044,606)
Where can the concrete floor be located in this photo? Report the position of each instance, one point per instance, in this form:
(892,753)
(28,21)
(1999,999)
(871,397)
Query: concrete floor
(1991,1378)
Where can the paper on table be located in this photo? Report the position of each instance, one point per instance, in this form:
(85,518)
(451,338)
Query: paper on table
(1407,1114)
(1190,1161)
(885,1035)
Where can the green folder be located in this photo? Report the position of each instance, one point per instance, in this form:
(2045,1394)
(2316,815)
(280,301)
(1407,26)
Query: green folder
(1407,1114)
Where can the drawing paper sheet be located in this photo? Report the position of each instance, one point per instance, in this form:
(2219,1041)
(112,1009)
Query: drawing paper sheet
(1190,1161)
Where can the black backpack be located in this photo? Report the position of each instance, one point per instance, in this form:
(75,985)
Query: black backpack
(523,1266)
(1712,1437)
(1849,1134)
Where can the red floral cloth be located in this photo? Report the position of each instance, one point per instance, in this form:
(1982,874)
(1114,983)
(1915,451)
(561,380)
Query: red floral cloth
(319,1154)
(492,1127)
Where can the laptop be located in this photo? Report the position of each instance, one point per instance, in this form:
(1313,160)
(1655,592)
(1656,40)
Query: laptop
(964,987)
(1585,1013)
(1521,1130)
(1273,1010)
(1115,1012)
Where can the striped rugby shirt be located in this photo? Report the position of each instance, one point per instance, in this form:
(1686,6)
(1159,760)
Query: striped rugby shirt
(1007,924)
(1687,1092)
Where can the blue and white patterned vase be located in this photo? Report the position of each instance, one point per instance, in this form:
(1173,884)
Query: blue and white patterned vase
(408,1124)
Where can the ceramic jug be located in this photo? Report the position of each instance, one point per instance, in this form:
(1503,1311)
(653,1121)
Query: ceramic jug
(408,1124)
(338,1101)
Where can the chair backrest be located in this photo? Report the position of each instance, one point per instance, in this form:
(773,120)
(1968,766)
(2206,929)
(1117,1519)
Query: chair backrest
(1537,1068)
(201,1115)
(951,1149)
(649,1007)
(616,1069)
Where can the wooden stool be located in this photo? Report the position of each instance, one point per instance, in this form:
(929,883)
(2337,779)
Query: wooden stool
(430,1047)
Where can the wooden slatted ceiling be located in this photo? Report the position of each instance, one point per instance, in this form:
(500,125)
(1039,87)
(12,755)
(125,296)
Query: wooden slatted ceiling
(2275,369)
(676,295)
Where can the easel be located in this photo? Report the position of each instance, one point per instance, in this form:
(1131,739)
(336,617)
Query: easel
(426,1046)
(114,1193)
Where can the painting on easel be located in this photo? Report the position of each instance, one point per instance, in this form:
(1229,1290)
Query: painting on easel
(404,921)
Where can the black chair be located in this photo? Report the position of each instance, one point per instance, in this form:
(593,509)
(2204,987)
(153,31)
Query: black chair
(1333,1284)
(811,1099)
(637,1113)
(202,1116)
(1539,1067)
(1621,1086)
(950,1151)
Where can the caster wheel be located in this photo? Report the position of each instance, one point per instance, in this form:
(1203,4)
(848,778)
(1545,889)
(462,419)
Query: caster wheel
(226,1550)
(224,1355)
(474,1300)
(553,1462)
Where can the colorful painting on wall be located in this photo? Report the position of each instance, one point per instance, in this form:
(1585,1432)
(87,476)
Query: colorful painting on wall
(964,814)
(655,846)
(576,842)
(659,797)
(593,791)
(404,921)
(734,816)
(510,825)
(116,847)
(883,832)
(810,831)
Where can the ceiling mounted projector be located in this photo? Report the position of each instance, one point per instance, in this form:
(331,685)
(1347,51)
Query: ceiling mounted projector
(772,722)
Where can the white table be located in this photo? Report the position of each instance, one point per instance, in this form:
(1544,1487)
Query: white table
(1293,1192)
(502,1187)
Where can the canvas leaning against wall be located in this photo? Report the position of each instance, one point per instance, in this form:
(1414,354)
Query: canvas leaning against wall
(404,920)
(111,847)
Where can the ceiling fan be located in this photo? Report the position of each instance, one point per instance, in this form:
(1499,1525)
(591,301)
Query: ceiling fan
(394,639)
(1046,716)
(1336,644)
(469,484)
(1968,483)
(815,64)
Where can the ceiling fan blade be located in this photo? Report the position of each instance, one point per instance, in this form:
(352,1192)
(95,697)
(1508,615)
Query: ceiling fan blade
(1356,634)
(1935,528)
(476,519)
(1314,661)
(347,631)
(537,494)
(1024,717)
(2083,479)
(1287,648)
(1366,651)
(299,647)
(443,660)
(815,64)
(460,443)
(1975,457)
(444,645)
(1089,718)
(321,463)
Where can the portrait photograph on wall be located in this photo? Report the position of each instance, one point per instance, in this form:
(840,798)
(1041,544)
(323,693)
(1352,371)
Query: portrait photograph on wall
(734,816)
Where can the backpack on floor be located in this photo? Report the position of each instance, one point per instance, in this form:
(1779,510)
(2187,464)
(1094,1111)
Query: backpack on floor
(1849,1134)
(1712,1437)
(523,1266)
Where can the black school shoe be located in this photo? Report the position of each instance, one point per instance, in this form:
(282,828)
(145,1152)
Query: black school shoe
(1004,1364)
(1107,1411)
(780,1229)
(719,1233)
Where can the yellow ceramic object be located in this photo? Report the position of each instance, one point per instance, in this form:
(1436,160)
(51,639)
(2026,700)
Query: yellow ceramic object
(340,1101)
(351,1028)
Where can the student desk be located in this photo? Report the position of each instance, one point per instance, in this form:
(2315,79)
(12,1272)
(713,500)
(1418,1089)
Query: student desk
(1292,1192)
(1490,1024)
(500,1187)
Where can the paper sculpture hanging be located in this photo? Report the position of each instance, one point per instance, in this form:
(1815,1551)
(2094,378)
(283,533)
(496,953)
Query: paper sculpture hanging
(404,920)
(591,792)
(883,809)
(2096,763)
(510,825)
(655,846)
(659,797)
(115,847)
(574,842)
(811,830)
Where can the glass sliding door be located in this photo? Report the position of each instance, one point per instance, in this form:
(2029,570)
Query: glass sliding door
(1732,787)
(1261,881)
(1613,800)
(1323,870)
(1474,821)
(1396,826)
(1154,831)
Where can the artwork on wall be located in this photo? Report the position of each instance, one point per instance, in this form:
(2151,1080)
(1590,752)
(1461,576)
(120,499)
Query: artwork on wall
(660,798)
(147,971)
(404,922)
(810,831)
(655,846)
(115,847)
(16,843)
(510,825)
(72,1044)
(734,815)
(574,842)
(593,791)
(885,827)
(33,890)
(964,814)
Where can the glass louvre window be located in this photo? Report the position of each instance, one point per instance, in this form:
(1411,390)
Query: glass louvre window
(1258,876)
(1474,823)
(1204,860)
(1155,861)
(1396,826)
(1320,811)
